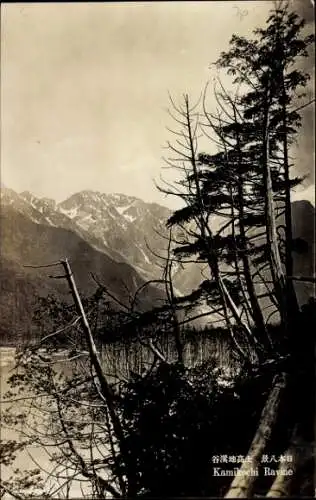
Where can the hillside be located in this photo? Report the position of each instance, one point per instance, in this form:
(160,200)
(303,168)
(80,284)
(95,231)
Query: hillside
(24,242)
(108,235)
(123,227)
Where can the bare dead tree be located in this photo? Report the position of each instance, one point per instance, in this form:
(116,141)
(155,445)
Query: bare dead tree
(186,161)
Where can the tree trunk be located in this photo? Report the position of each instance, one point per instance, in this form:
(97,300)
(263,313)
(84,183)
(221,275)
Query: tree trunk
(227,301)
(291,295)
(243,483)
(300,452)
(105,389)
(256,309)
(277,273)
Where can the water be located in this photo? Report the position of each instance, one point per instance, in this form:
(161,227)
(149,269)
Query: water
(119,361)
(9,433)
(34,455)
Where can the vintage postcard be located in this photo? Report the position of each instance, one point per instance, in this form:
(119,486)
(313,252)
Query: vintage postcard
(157,278)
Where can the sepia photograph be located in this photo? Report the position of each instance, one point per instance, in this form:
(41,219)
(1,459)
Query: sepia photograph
(157,250)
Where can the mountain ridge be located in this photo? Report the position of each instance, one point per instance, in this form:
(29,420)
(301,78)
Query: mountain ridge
(106,235)
(115,224)
(25,243)
(127,229)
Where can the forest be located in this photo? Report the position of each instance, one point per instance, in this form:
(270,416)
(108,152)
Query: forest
(128,402)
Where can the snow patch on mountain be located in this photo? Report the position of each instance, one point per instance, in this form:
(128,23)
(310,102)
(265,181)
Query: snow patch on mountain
(121,209)
(123,227)
(72,213)
(130,218)
(50,222)
(144,254)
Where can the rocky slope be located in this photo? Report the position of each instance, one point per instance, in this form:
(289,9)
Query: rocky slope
(129,230)
(117,236)
(28,243)
(124,227)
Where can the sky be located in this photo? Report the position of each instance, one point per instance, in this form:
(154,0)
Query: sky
(84,90)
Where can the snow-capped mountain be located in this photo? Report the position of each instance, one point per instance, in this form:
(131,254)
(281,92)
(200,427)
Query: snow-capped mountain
(131,231)
(120,223)
(25,244)
(117,237)
(124,227)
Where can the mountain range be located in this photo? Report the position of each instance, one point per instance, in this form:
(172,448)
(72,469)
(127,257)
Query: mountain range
(123,227)
(102,235)
(118,238)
